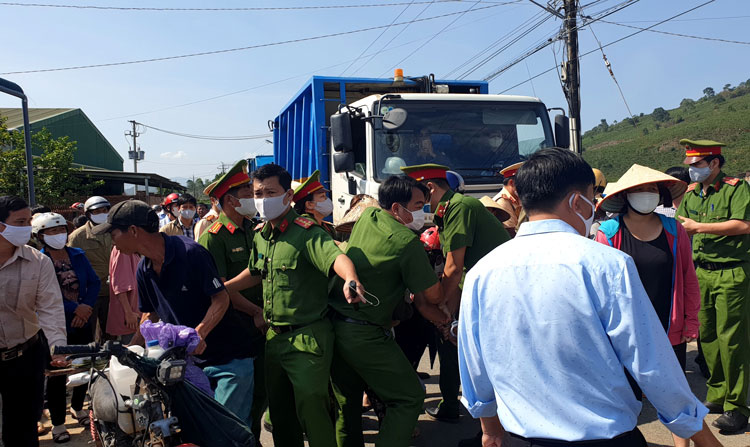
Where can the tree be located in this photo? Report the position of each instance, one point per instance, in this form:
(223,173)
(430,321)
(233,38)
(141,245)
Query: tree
(604,126)
(53,169)
(709,92)
(660,115)
(727,88)
(687,103)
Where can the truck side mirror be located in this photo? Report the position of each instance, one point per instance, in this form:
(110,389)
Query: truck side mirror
(562,131)
(343,162)
(341,133)
(395,118)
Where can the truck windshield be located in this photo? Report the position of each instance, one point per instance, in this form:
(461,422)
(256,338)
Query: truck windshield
(475,139)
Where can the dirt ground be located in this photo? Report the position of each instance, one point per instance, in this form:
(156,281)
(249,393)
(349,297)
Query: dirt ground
(433,433)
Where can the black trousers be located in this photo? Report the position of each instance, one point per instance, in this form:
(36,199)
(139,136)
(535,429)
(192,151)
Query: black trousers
(632,438)
(22,390)
(56,389)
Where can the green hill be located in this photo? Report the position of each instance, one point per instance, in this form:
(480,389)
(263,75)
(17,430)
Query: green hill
(652,140)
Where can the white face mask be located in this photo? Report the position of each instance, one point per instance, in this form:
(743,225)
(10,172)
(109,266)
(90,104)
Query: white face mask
(699,174)
(643,202)
(187,214)
(56,241)
(17,236)
(417,220)
(99,218)
(586,222)
(175,211)
(270,208)
(325,208)
(247,207)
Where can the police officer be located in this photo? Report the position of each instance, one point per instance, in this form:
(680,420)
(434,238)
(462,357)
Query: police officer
(716,212)
(293,257)
(229,241)
(467,232)
(508,198)
(311,200)
(389,259)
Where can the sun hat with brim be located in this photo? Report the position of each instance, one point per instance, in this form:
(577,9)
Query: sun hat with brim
(637,175)
(354,213)
(489,203)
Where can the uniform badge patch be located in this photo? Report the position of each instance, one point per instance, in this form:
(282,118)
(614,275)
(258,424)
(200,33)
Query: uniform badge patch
(238,249)
(231,228)
(441,209)
(259,226)
(304,222)
(691,187)
(283,226)
(215,228)
(731,180)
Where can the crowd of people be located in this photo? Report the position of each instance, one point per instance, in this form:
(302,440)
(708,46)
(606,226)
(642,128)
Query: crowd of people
(554,307)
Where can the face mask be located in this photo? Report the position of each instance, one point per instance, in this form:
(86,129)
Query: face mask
(187,214)
(417,220)
(643,202)
(247,207)
(325,208)
(56,241)
(586,222)
(17,236)
(271,207)
(699,174)
(496,141)
(99,218)
(175,212)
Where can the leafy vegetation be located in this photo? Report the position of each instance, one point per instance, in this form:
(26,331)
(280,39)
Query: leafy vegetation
(653,140)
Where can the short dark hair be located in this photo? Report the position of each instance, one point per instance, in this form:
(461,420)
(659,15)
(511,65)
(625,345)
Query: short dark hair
(549,175)
(507,180)
(719,157)
(8,204)
(679,172)
(273,170)
(398,189)
(299,206)
(186,199)
(40,209)
(79,221)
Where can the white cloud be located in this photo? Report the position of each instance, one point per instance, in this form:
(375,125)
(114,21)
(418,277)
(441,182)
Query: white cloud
(173,155)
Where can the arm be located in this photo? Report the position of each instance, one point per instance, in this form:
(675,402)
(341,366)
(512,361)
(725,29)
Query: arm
(493,432)
(430,304)
(131,316)
(705,438)
(93,285)
(454,270)
(138,337)
(49,306)
(219,306)
(732,227)
(344,267)
(244,280)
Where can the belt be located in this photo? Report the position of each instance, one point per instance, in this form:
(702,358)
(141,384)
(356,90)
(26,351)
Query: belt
(284,329)
(717,265)
(346,319)
(17,351)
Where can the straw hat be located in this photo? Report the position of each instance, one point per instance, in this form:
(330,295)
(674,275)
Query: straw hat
(489,203)
(637,175)
(351,216)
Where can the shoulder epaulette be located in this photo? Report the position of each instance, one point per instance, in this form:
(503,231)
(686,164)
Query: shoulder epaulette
(691,187)
(259,226)
(731,180)
(215,228)
(211,217)
(304,222)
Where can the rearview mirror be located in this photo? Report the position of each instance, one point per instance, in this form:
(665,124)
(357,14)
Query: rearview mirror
(562,131)
(341,132)
(343,162)
(394,119)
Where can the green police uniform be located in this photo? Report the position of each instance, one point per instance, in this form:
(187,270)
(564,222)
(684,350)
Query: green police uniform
(230,246)
(389,259)
(723,269)
(294,260)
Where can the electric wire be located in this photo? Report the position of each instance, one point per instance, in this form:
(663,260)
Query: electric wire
(250,47)
(689,36)
(611,73)
(209,137)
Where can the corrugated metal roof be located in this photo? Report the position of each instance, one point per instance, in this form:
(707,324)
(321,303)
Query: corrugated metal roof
(15,116)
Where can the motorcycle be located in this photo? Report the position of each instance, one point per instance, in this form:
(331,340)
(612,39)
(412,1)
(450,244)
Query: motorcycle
(139,401)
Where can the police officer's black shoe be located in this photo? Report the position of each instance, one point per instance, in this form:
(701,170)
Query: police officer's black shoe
(713,408)
(731,421)
(442,414)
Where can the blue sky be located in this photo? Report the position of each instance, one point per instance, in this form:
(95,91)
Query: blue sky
(653,69)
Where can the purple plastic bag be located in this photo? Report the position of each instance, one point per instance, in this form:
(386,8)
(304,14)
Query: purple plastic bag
(170,335)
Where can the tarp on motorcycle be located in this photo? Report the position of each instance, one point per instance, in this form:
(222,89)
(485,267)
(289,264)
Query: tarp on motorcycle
(206,422)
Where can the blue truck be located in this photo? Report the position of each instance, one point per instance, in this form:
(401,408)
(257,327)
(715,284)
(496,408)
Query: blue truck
(358,131)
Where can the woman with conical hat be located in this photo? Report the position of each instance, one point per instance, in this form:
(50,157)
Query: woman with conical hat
(660,248)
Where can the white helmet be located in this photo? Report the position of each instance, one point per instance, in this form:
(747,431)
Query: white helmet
(95,202)
(44,221)
(393,166)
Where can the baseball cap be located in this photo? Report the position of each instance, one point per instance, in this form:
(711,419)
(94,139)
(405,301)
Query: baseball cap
(125,214)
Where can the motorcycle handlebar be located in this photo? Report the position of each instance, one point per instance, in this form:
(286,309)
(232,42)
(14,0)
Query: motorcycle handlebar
(91,348)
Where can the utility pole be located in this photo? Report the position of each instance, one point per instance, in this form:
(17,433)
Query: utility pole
(134,153)
(573,76)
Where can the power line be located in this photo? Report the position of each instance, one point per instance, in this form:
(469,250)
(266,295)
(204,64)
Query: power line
(699,19)
(611,72)
(611,43)
(255,9)
(251,47)
(689,36)
(207,137)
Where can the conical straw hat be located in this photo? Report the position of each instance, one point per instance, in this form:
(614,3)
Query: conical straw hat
(351,216)
(637,175)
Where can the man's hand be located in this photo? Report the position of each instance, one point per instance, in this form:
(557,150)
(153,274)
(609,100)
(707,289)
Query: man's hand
(131,320)
(260,323)
(685,339)
(689,224)
(77,322)
(59,361)
(352,297)
(83,311)
(493,432)
(492,441)
(202,344)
